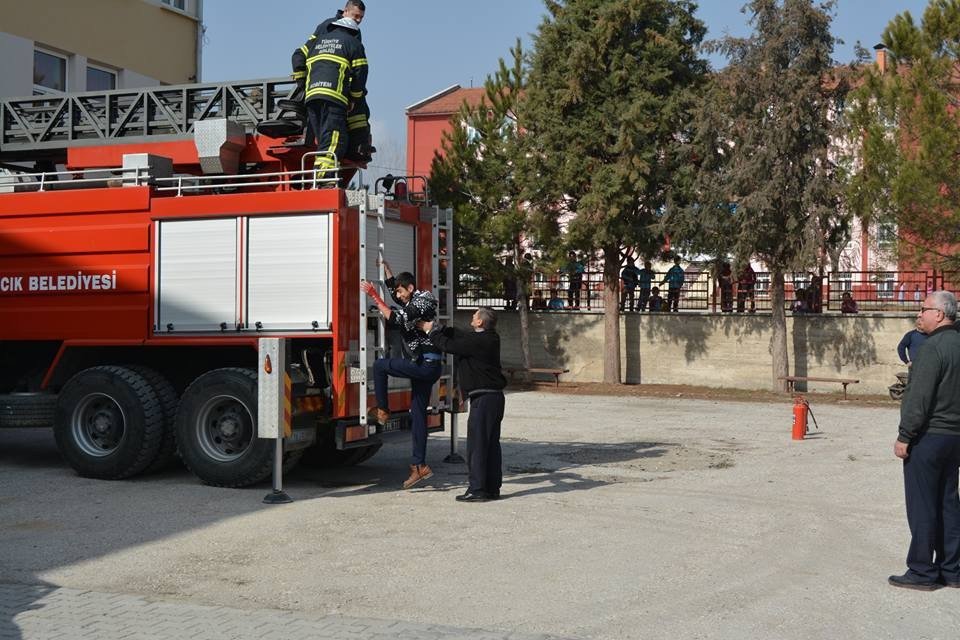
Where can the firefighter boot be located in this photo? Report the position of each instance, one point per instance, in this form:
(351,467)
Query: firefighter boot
(418,472)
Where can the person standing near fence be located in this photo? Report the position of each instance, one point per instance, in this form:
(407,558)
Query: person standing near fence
(644,282)
(929,445)
(674,282)
(746,283)
(574,271)
(629,276)
(725,280)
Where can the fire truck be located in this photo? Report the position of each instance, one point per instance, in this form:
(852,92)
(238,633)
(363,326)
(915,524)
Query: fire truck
(150,242)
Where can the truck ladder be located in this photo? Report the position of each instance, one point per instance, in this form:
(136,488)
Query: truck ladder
(443,244)
(367,203)
(47,125)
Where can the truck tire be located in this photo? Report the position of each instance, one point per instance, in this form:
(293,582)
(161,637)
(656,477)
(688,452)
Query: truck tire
(325,455)
(368,452)
(27,410)
(217,429)
(169,400)
(108,423)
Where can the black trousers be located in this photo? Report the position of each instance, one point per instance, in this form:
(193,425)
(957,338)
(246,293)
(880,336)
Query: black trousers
(484,457)
(933,508)
(329,122)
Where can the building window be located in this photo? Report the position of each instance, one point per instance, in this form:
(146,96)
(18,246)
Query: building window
(845,281)
(101,79)
(49,72)
(177,4)
(885,286)
(886,236)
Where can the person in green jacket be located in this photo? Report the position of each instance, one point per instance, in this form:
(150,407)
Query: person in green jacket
(929,445)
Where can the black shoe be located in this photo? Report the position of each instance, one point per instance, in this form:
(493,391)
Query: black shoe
(905,582)
(950,583)
(473,496)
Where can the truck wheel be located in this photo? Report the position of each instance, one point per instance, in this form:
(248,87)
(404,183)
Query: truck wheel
(108,423)
(368,452)
(27,410)
(217,429)
(325,455)
(168,398)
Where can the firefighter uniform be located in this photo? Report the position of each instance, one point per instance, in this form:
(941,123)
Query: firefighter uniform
(333,64)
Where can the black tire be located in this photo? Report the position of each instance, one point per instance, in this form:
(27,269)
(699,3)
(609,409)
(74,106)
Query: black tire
(217,429)
(169,400)
(27,410)
(291,459)
(896,392)
(108,423)
(369,452)
(325,455)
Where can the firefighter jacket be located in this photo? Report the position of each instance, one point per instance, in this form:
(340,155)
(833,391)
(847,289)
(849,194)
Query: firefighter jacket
(333,63)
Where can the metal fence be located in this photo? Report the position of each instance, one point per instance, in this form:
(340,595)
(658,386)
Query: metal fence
(864,291)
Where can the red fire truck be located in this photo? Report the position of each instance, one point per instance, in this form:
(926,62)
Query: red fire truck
(137,281)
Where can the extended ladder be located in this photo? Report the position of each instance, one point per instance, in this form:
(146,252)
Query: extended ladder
(47,125)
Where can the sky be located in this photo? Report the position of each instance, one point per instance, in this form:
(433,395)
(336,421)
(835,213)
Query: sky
(417,48)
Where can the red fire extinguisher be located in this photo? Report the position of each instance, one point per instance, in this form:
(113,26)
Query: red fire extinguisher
(800,410)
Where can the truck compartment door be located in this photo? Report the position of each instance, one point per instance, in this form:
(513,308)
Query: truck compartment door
(196,275)
(288,273)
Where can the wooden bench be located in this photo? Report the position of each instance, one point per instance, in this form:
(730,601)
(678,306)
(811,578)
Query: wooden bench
(556,373)
(793,380)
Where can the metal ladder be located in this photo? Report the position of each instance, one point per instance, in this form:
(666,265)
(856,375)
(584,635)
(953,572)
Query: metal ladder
(442,288)
(52,123)
(367,352)
(446,300)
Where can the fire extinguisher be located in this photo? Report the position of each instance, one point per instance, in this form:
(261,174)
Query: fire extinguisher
(800,409)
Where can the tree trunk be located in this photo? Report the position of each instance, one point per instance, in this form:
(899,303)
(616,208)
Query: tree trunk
(778,341)
(611,315)
(523,297)
(524,309)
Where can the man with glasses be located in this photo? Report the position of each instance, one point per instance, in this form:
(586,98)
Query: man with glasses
(929,445)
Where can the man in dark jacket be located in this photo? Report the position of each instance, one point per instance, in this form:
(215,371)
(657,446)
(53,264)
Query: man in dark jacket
(334,65)
(929,445)
(481,379)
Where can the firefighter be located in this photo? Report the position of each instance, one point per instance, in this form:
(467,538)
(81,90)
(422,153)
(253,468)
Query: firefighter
(360,142)
(333,65)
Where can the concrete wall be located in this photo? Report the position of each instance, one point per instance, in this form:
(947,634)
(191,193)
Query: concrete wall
(714,350)
(17,56)
(145,37)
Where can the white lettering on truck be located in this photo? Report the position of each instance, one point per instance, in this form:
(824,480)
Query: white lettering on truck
(79,282)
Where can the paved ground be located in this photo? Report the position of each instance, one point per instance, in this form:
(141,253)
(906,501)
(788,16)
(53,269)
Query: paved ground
(49,613)
(623,518)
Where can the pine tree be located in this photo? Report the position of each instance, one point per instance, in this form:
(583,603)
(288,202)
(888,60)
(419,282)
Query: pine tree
(611,85)
(761,179)
(907,121)
(477,175)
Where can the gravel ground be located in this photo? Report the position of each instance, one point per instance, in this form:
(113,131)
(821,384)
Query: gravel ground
(623,517)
